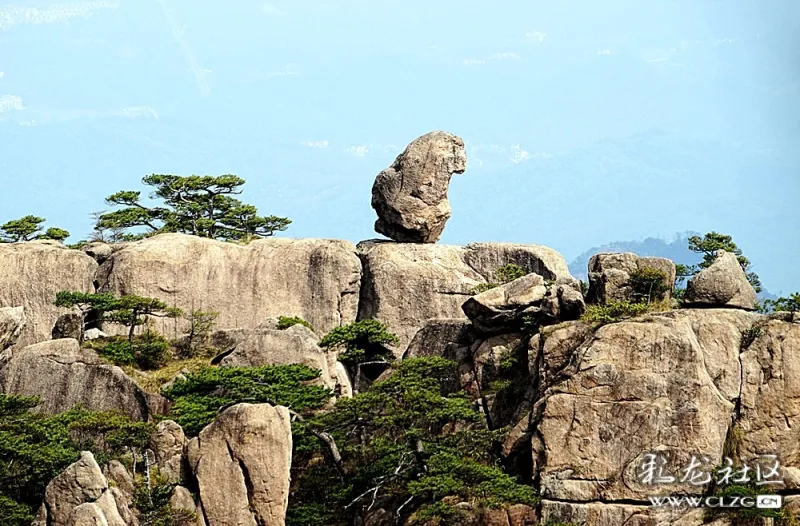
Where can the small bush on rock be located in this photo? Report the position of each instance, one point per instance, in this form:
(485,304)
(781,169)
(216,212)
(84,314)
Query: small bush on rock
(647,284)
(284,322)
(617,311)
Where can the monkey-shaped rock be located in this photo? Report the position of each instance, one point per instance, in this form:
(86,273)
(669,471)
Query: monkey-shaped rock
(410,196)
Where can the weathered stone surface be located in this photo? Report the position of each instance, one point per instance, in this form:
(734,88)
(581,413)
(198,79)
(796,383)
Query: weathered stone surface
(660,383)
(80,496)
(98,251)
(242,463)
(608,514)
(410,196)
(168,442)
(81,482)
(723,284)
(609,274)
(769,420)
(12,321)
(63,375)
(31,274)
(69,325)
(486,258)
(117,475)
(181,499)
(552,348)
(296,344)
(505,308)
(314,279)
(436,335)
(405,285)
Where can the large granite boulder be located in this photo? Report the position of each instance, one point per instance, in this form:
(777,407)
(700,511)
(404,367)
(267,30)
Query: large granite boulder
(242,463)
(665,383)
(264,346)
(610,274)
(63,375)
(507,307)
(405,285)
(769,419)
(314,279)
(12,321)
(32,273)
(81,496)
(410,196)
(723,284)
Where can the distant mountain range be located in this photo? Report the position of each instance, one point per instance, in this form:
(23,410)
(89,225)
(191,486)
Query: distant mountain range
(675,249)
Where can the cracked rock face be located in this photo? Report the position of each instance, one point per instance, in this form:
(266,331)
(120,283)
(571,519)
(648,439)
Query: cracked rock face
(315,279)
(770,409)
(63,375)
(12,321)
(31,274)
(405,285)
(242,463)
(80,496)
(662,383)
(410,196)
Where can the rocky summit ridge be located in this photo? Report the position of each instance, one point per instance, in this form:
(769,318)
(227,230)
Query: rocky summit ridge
(591,397)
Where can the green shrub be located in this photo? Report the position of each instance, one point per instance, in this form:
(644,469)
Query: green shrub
(284,322)
(749,336)
(147,352)
(199,396)
(361,341)
(615,311)
(152,503)
(201,323)
(406,436)
(34,448)
(648,284)
(790,304)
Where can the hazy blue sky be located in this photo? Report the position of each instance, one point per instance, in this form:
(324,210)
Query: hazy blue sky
(586,121)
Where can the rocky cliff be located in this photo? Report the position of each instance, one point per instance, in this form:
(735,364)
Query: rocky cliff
(580,389)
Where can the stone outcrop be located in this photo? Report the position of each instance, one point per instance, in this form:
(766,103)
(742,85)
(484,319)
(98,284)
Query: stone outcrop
(609,274)
(296,344)
(667,381)
(168,443)
(63,375)
(12,321)
(437,335)
(506,307)
(410,196)
(314,279)
(405,285)
(31,274)
(69,325)
(242,463)
(723,284)
(80,496)
(769,417)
